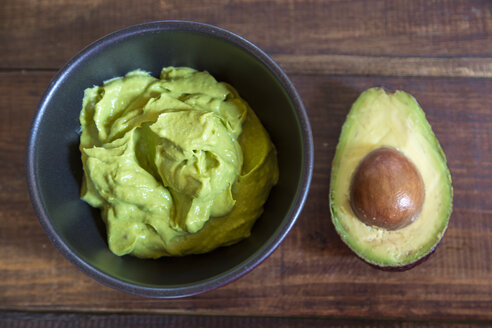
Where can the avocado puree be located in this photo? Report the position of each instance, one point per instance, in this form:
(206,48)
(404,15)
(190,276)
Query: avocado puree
(178,165)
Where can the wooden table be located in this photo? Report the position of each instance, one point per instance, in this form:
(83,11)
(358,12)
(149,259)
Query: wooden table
(439,51)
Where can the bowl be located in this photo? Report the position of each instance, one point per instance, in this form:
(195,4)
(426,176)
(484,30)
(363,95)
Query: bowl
(54,169)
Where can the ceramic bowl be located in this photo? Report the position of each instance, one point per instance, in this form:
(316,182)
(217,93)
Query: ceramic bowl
(54,169)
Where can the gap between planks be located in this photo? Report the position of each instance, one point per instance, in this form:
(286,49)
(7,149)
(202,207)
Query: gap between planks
(329,64)
(475,67)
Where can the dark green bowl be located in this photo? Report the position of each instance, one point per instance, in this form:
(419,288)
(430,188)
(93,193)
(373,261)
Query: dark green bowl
(54,169)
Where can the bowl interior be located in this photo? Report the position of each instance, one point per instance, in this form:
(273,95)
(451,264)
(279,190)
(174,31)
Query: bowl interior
(56,169)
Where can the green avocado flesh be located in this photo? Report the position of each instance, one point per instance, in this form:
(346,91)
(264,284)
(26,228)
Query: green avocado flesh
(380,119)
(178,164)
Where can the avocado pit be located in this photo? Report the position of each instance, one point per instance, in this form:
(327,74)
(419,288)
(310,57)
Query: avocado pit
(387,190)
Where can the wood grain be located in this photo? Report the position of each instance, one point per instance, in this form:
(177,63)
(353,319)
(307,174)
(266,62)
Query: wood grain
(385,65)
(44,34)
(312,273)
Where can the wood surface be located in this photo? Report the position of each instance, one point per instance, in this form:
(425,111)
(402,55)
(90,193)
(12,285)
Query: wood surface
(439,51)
(91,320)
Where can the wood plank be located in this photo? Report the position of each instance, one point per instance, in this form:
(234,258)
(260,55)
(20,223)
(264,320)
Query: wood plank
(385,65)
(94,320)
(312,273)
(45,34)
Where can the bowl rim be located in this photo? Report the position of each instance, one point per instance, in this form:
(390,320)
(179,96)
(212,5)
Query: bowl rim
(249,263)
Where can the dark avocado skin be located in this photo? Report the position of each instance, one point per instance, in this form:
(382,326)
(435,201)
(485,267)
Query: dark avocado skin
(404,267)
(401,268)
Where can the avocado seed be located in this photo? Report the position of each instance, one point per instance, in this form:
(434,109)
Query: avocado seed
(387,190)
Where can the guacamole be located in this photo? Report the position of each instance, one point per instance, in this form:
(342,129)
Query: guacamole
(178,164)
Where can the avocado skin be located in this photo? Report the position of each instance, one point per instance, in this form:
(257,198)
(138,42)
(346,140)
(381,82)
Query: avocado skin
(403,267)
(397,268)
(434,144)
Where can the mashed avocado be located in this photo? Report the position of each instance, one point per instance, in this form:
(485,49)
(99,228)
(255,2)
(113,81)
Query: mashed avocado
(178,165)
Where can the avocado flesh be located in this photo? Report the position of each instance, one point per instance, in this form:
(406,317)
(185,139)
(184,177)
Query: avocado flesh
(380,119)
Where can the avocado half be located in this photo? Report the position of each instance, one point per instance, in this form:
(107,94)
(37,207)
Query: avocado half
(381,119)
